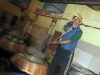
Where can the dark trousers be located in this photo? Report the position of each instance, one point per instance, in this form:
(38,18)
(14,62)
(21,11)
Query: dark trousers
(62,56)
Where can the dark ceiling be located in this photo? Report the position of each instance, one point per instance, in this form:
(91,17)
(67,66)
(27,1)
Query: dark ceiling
(73,1)
(94,4)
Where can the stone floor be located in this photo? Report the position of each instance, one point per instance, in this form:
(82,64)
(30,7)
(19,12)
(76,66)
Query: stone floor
(72,71)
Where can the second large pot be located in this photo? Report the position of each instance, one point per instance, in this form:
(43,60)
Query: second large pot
(29,63)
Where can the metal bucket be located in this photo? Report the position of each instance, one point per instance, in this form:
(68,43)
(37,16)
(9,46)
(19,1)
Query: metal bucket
(29,63)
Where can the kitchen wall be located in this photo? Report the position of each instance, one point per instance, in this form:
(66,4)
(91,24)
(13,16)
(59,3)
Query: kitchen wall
(15,10)
(12,10)
(9,7)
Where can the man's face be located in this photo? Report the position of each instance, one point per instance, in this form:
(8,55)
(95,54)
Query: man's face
(75,21)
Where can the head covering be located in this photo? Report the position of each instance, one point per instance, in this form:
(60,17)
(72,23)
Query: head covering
(67,25)
(79,16)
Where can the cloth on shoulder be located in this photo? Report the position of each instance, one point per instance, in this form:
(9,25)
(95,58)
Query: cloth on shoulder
(69,24)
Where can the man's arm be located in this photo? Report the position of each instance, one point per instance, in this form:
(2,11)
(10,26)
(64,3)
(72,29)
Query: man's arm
(73,38)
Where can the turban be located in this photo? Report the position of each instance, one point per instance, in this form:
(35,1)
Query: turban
(79,16)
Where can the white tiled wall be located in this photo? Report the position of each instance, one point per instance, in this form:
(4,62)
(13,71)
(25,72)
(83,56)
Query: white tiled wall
(88,56)
(77,54)
(85,58)
(95,65)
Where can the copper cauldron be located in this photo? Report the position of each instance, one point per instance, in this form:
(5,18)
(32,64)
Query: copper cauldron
(11,44)
(29,63)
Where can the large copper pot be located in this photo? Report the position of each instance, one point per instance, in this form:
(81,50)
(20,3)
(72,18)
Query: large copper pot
(29,63)
(10,44)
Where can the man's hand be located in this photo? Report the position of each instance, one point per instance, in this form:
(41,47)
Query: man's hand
(55,42)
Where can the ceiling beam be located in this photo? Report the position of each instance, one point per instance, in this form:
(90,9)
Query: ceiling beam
(94,2)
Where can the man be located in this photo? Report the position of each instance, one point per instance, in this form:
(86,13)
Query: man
(66,47)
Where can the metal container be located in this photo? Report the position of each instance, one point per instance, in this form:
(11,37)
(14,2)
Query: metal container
(4,42)
(29,63)
(11,44)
